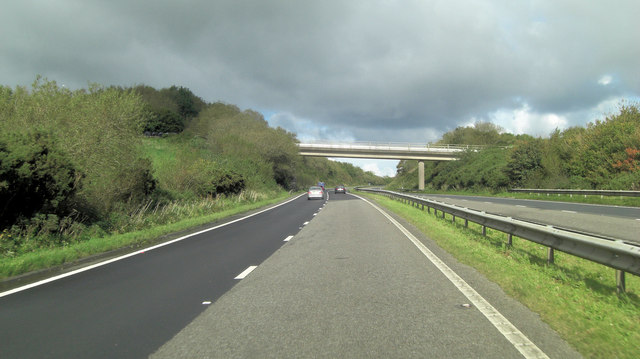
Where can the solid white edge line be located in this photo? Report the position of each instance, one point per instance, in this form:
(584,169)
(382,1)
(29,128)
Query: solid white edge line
(84,269)
(288,238)
(525,346)
(245,272)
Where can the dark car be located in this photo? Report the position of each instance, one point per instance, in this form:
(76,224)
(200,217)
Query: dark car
(340,189)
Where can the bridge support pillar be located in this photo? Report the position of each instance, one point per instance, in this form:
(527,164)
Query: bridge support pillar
(421,175)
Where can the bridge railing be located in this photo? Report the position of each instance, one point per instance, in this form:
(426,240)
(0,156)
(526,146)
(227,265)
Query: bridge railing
(391,146)
(621,255)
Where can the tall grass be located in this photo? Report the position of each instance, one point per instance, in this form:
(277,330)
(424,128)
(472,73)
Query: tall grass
(574,296)
(144,225)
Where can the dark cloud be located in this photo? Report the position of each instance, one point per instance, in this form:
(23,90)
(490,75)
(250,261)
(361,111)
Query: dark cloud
(394,70)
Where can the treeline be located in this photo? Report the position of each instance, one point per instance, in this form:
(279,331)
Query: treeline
(603,155)
(77,164)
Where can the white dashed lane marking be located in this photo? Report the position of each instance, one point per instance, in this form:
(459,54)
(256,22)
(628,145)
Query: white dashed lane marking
(246,272)
(288,239)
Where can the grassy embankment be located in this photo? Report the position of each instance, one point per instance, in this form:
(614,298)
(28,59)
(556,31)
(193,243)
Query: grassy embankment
(574,296)
(147,223)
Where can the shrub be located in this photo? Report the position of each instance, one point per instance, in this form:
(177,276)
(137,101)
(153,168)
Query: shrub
(165,121)
(35,177)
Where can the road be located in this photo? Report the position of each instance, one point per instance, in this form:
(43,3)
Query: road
(352,284)
(130,307)
(607,221)
(349,282)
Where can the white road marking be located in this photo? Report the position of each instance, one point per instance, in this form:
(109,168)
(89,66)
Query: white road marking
(521,206)
(206,302)
(305,223)
(315,214)
(566,211)
(525,346)
(84,269)
(288,239)
(246,272)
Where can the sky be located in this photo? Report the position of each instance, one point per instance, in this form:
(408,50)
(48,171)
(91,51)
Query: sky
(356,70)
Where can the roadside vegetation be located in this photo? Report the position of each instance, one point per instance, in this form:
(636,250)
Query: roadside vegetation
(603,155)
(91,170)
(576,297)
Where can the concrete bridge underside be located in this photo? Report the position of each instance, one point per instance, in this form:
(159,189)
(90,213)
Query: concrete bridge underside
(386,151)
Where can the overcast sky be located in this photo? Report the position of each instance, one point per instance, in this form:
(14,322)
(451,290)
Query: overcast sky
(370,70)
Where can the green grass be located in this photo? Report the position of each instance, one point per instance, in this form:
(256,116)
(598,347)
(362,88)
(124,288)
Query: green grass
(574,296)
(51,257)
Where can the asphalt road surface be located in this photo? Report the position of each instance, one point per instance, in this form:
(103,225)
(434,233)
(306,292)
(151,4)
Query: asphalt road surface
(336,278)
(352,284)
(129,308)
(607,221)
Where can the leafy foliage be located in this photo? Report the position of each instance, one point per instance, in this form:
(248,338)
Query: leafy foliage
(164,121)
(75,164)
(171,108)
(604,155)
(35,178)
(525,161)
(97,129)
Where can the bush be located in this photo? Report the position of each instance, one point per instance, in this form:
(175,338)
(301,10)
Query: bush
(98,129)
(525,160)
(165,121)
(35,178)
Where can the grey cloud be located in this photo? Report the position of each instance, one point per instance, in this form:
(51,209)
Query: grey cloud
(403,70)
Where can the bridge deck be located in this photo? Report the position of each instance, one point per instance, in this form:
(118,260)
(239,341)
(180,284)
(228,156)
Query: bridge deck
(399,151)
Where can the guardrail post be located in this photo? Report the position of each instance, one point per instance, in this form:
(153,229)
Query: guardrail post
(550,255)
(510,240)
(484,231)
(443,213)
(466,222)
(453,218)
(620,282)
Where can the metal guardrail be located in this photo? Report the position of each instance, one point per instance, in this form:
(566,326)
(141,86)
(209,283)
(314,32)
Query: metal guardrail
(620,255)
(585,192)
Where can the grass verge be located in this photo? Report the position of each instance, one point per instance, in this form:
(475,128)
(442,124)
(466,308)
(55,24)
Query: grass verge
(574,296)
(47,258)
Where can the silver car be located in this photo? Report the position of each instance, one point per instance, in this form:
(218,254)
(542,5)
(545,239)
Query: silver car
(315,192)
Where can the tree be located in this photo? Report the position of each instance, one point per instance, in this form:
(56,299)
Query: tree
(604,143)
(165,121)
(525,158)
(482,133)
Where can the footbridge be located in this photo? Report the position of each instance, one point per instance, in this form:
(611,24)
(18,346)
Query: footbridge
(387,151)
